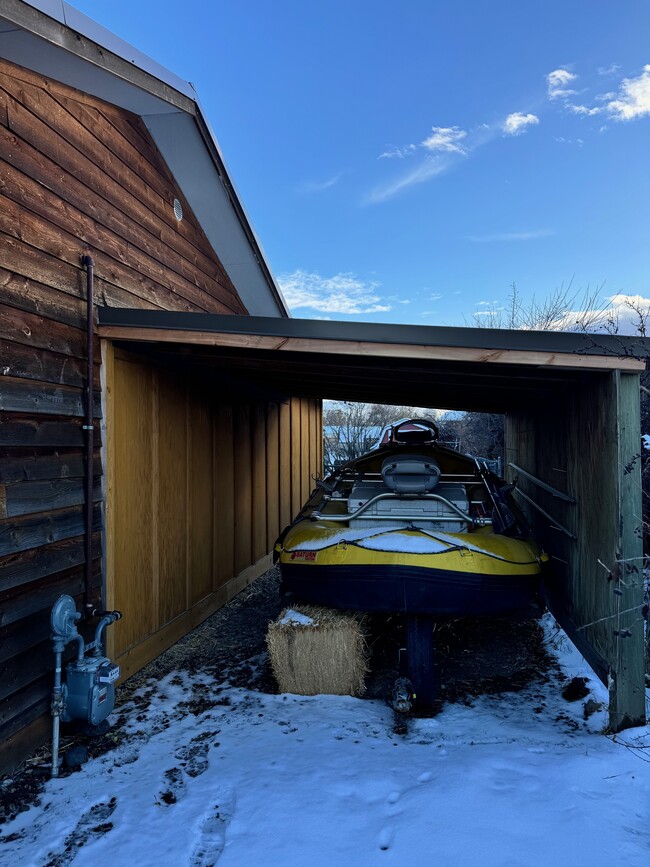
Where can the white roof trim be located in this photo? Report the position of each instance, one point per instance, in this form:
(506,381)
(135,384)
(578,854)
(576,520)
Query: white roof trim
(56,40)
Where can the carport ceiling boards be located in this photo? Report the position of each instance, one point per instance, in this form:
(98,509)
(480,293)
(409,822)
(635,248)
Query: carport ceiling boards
(485,370)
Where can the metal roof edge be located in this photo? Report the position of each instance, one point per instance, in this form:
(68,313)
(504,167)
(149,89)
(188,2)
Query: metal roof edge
(61,25)
(66,29)
(552,342)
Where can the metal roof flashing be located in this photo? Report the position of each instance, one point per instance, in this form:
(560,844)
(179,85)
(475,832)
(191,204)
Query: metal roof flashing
(484,370)
(552,343)
(56,40)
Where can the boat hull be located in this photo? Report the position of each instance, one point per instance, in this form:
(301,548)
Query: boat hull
(410,589)
(408,570)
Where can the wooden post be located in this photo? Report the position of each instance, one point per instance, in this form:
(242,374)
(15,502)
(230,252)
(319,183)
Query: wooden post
(627,674)
(589,448)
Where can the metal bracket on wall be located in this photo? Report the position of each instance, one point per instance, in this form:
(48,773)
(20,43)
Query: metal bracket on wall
(554,524)
(540,484)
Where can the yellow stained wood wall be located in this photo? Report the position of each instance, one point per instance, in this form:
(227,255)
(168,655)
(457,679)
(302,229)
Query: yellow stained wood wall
(197,493)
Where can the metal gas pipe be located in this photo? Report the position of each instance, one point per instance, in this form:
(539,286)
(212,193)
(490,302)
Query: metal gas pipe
(89,691)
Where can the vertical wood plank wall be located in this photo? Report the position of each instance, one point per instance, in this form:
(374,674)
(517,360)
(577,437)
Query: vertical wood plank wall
(588,448)
(198,493)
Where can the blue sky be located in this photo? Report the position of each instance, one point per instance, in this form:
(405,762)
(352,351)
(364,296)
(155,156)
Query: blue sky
(409,162)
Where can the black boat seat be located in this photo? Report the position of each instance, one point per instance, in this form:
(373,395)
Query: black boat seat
(410,474)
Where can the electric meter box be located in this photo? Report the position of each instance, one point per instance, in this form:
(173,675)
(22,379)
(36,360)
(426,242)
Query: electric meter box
(89,691)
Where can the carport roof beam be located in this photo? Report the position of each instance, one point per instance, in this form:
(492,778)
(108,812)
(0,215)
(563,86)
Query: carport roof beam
(478,345)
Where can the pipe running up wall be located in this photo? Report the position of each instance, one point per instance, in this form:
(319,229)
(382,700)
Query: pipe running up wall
(89,430)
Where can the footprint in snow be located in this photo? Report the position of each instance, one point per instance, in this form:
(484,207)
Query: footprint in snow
(193,758)
(126,757)
(93,823)
(385,838)
(212,833)
(174,787)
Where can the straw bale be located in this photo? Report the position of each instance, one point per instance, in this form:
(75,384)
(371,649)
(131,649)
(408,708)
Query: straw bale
(327,656)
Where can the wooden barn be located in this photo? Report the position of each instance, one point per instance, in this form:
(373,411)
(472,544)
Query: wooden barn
(101,157)
(162,495)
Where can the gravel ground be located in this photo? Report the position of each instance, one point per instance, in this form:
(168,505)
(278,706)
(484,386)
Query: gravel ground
(473,657)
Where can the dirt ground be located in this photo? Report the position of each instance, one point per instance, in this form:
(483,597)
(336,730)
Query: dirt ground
(473,657)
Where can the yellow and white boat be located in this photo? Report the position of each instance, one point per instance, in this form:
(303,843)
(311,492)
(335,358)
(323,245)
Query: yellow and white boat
(412,527)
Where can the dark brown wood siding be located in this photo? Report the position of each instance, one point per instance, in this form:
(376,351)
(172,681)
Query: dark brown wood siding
(77,177)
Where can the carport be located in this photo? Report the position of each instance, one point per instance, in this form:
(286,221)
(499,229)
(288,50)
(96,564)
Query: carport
(571,403)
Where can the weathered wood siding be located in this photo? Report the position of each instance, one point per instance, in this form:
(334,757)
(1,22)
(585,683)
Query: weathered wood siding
(77,176)
(198,491)
(588,448)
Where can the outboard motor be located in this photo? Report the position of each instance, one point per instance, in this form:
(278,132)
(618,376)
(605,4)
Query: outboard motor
(89,691)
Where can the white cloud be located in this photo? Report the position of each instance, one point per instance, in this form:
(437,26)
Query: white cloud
(561,140)
(319,186)
(633,98)
(394,152)
(342,293)
(622,314)
(517,123)
(511,236)
(609,70)
(443,146)
(630,102)
(558,83)
(628,311)
(446,139)
(489,312)
(428,169)
(584,110)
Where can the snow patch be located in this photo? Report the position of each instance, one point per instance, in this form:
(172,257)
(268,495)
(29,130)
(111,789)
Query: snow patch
(294,780)
(292,616)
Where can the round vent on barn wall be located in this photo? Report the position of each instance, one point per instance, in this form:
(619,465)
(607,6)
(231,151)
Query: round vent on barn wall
(178,210)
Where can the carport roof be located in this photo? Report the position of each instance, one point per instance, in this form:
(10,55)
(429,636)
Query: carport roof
(458,368)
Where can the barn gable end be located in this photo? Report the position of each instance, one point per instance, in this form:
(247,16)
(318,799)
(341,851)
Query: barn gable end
(84,177)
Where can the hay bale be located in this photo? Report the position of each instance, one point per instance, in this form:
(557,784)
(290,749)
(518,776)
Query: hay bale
(317,651)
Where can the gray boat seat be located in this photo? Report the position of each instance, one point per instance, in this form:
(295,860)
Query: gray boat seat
(410,474)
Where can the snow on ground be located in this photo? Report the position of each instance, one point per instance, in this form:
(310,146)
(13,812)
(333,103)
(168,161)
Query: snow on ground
(257,779)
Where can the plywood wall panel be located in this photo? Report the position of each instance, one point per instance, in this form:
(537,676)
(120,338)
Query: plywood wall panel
(259,493)
(303,455)
(272,475)
(133,513)
(295,458)
(284,420)
(201,497)
(224,494)
(243,486)
(171,502)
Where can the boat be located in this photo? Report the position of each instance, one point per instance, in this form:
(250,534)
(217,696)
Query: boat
(413,527)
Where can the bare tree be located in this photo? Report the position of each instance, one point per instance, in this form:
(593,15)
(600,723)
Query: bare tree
(350,429)
(564,309)
(482,434)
